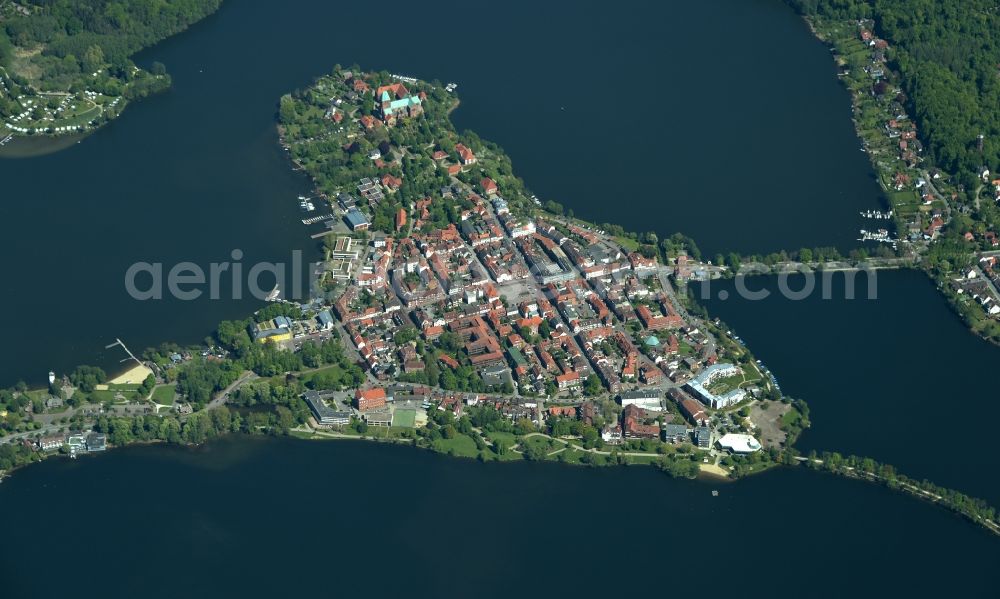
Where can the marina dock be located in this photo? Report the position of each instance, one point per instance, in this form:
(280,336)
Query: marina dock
(315,219)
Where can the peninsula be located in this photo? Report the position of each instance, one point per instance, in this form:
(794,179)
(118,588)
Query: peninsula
(456,312)
(65,66)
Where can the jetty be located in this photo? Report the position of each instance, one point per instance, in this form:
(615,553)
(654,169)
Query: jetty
(133,376)
(315,219)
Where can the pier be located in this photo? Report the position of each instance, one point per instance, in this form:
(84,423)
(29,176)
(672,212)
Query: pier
(315,219)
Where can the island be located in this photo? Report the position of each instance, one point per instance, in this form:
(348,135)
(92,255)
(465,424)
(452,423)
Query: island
(456,312)
(65,66)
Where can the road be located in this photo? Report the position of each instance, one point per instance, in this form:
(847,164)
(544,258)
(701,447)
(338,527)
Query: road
(223,396)
(993,287)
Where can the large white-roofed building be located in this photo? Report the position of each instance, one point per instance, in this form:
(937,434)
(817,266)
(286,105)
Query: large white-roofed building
(739,443)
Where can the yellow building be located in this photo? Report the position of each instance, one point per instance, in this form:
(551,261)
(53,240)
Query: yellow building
(273,331)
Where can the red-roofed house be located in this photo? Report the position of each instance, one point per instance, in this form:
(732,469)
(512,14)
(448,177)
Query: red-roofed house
(400,219)
(488,186)
(465,155)
(369,399)
(568,380)
(391,183)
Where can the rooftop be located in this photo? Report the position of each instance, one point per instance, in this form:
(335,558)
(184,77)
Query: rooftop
(739,443)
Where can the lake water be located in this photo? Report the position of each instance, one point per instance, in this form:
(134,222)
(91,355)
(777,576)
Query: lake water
(899,378)
(280,518)
(721,119)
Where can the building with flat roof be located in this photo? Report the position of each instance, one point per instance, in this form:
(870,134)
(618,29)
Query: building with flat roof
(380,417)
(356,220)
(97,442)
(739,443)
(647,399)
(703,437)
(698,386)
(324,414)
(675,433)
(274,331)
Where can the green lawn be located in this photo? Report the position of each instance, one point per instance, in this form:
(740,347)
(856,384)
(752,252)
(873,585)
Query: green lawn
(460,445)
(130,392)
(509,439)
(548,445)
(164,395)
(404,418)
(334,370)
(790,418)
(627,243)
(725,385)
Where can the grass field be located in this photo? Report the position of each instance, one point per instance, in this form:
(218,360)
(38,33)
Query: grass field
(460,445)
(906,202)
(404,418)
(164,395)
(334,372)
(726,384)
(629,244)
(509,439)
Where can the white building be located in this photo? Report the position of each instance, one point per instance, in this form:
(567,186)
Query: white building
(645,399)
(738,443)
(699,386)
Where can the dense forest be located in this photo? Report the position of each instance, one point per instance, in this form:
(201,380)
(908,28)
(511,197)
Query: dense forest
(948,53)
(56,45)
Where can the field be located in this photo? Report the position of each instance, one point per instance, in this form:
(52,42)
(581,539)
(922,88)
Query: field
(726,384)
(164,395)
(906,203)
(404,418)
(460,445)
(108,392)
(330,372)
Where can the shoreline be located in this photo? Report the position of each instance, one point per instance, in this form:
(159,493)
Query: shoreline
(34,146)
(904,486)
(885,173)
(132,90)
(663,460)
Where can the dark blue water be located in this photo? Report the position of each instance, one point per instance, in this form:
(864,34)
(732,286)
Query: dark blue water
(721,119)
(897,378)
(349,519)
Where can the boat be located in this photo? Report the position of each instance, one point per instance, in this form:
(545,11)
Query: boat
(52,377)
(274,295)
